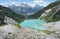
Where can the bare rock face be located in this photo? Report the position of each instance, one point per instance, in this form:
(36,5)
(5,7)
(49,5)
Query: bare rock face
(12,32)
(8,32)
(2,34)
(52,26)
(27,33)
(9,20)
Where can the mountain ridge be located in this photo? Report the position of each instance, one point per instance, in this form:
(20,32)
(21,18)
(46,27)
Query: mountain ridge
(39,13)
(8,12)
(25,9)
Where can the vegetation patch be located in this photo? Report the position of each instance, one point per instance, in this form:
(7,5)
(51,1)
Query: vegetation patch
(47,32)
(17,25)
(2,24)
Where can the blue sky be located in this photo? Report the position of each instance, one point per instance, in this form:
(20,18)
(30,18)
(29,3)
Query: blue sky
(30,2)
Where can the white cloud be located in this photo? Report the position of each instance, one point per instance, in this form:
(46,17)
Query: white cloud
(38,1)
(4,4)
(41,2)
(13,3)
(32,4)
(9,4)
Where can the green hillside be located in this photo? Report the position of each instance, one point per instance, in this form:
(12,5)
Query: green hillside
(5,11)
(38,14)
(54,14)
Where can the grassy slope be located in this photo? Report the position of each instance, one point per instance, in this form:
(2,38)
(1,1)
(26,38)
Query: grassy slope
(54,18)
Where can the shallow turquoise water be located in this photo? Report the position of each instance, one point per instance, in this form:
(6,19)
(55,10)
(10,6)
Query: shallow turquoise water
(33,23)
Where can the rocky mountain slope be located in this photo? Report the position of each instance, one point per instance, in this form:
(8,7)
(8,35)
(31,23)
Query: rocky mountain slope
(12,32)
(25,9)
(50,6)
(54,13)
(5,11)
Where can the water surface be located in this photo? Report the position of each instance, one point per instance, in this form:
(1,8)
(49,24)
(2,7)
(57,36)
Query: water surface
(33,23)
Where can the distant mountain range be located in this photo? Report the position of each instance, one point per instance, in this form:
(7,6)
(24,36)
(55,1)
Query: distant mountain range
(19,13)
(25,9)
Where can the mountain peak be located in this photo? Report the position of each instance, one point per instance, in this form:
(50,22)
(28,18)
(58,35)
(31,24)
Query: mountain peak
(24,9)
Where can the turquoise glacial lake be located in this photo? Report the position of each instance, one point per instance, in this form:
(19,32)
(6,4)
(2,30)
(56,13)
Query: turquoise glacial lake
(34,23)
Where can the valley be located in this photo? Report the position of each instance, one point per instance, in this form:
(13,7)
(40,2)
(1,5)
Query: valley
(25,22)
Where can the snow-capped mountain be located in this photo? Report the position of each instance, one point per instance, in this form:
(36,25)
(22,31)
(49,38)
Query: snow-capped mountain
(25,9)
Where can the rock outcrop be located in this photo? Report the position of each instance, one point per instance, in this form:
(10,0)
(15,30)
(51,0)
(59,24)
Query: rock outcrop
(12,32)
